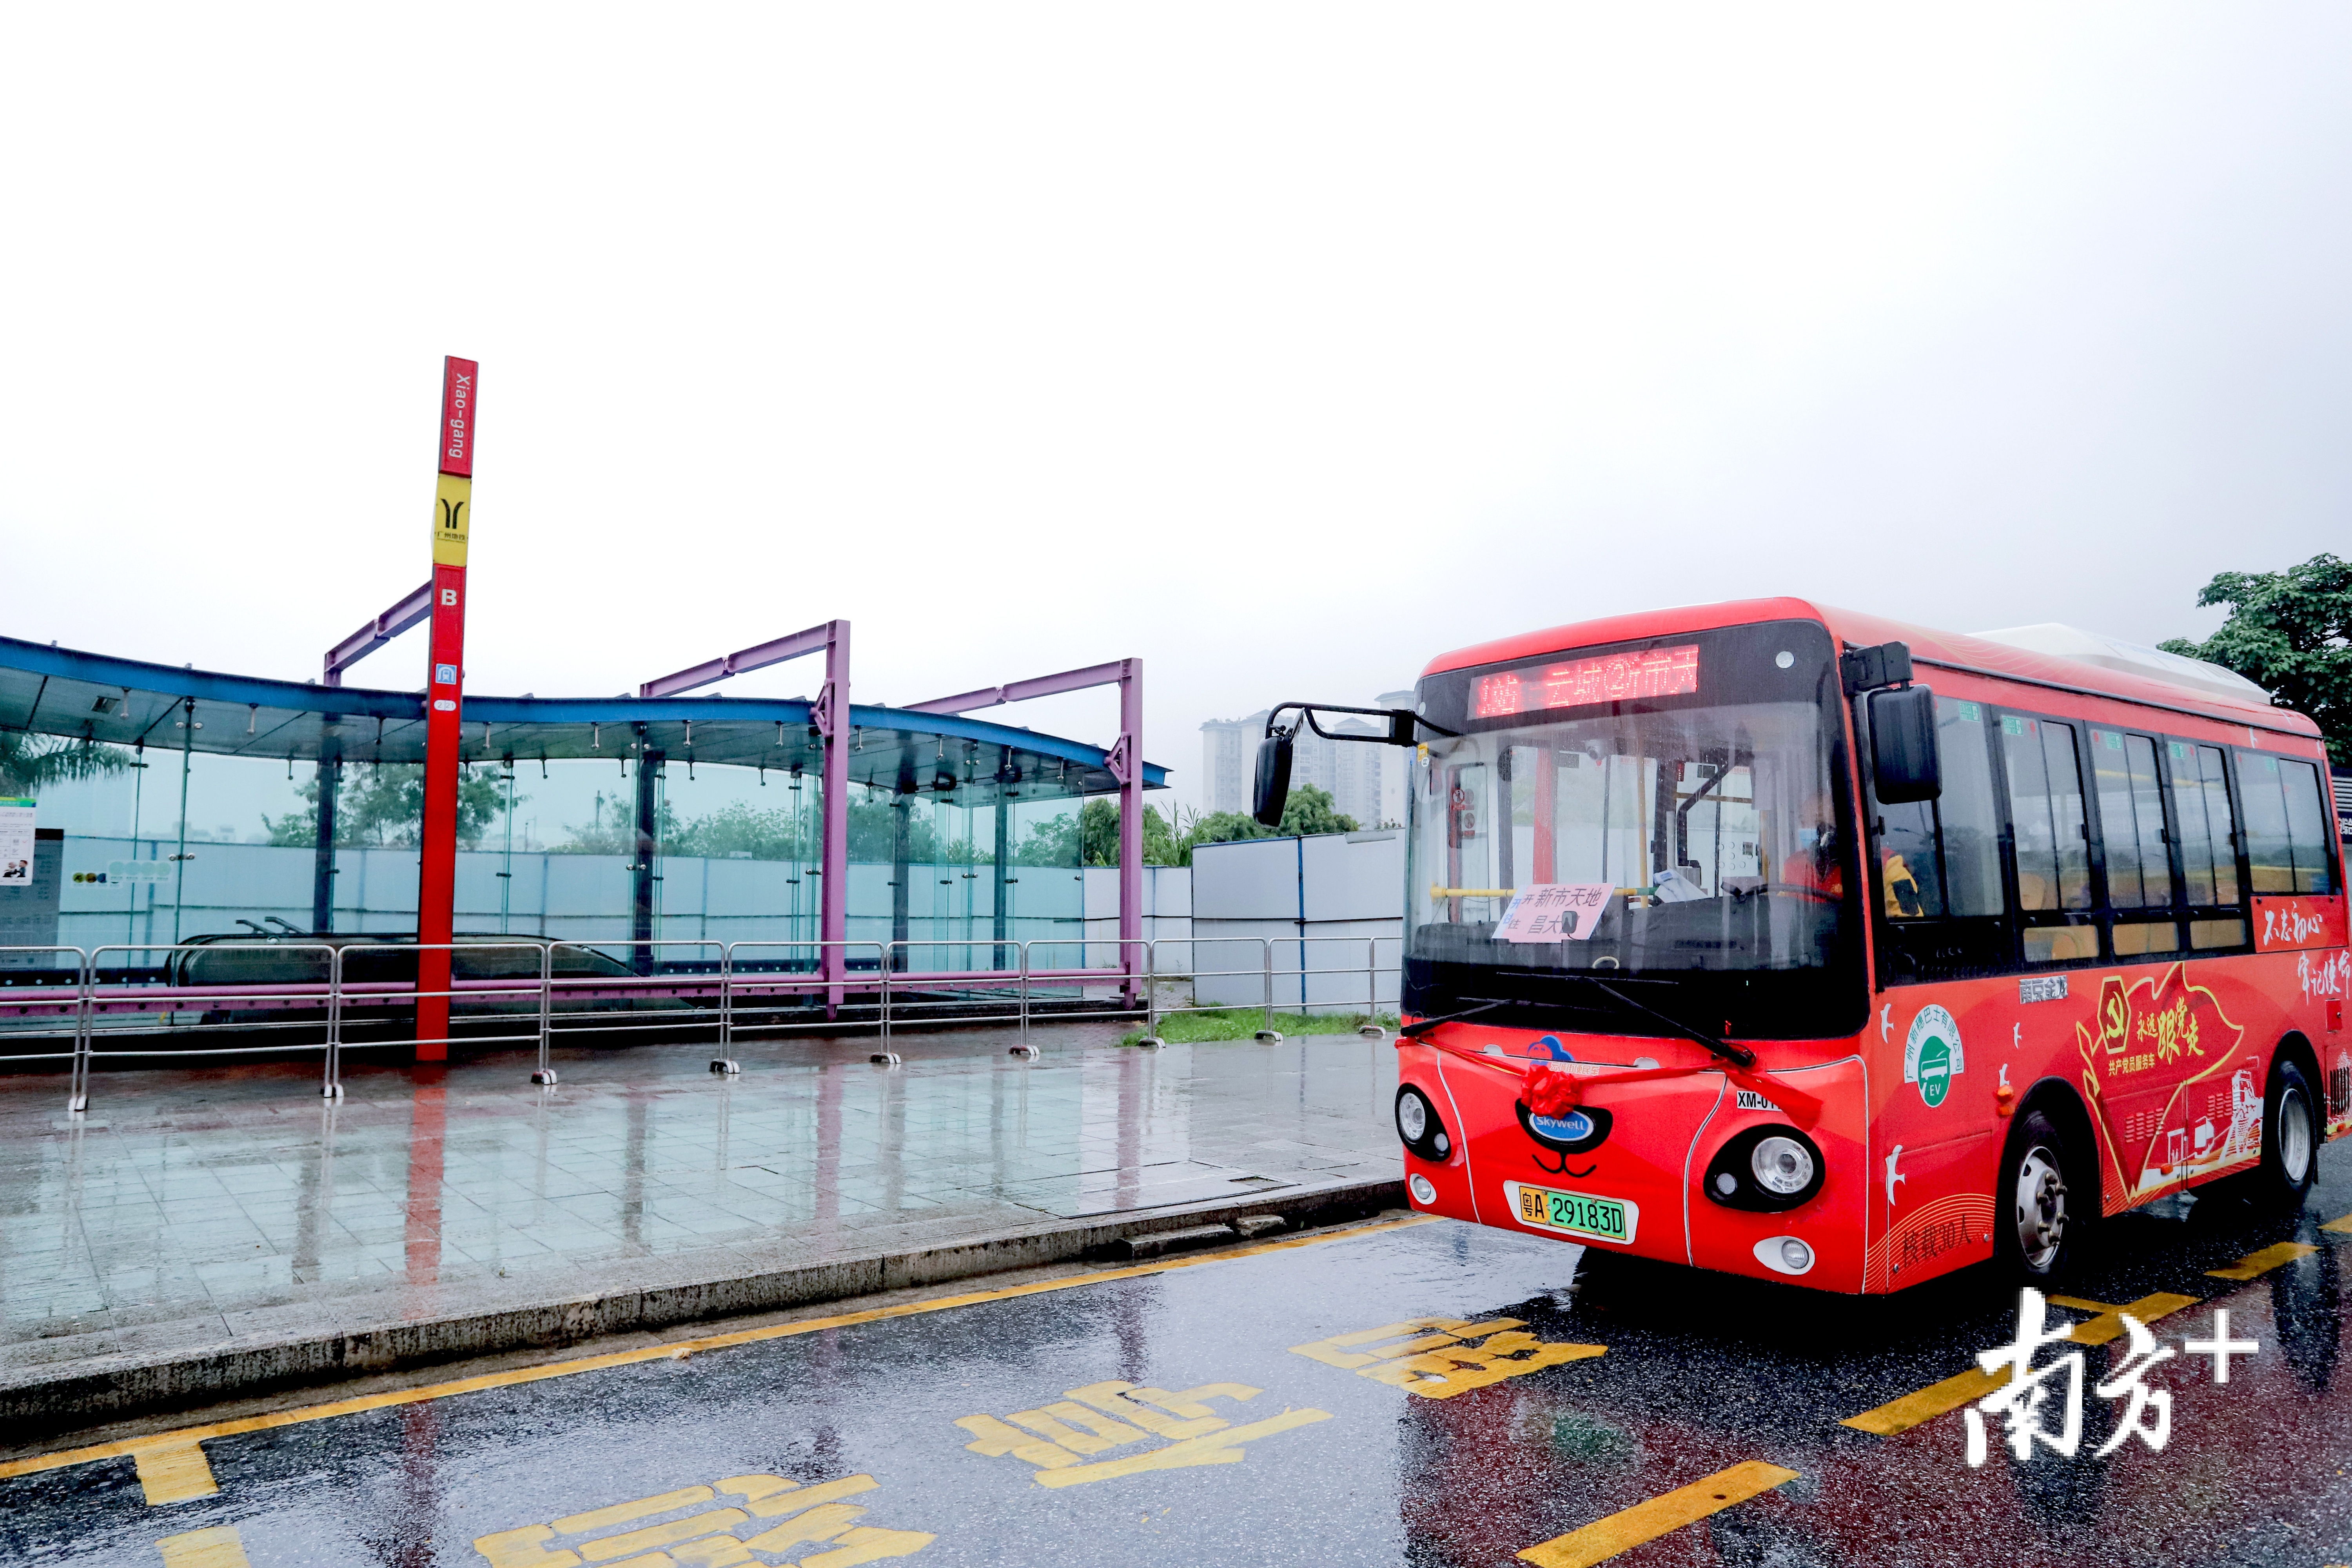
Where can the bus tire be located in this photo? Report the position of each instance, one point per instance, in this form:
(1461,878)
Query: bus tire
(2045,1201)
(2291,1134)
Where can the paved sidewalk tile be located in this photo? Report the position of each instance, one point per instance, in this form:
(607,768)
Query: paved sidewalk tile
(198,1206)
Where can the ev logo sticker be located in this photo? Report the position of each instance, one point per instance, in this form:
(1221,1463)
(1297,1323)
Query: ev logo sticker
(1931,1055)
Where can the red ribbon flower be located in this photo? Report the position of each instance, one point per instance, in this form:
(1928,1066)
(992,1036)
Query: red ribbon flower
(1553,1094)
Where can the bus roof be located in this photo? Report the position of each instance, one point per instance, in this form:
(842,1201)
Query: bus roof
(1951,650)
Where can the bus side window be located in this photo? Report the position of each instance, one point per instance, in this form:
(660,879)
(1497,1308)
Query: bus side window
(1942,858)
(2270,852)
(2052,836)
(2287,826)
(2045,801)
(1939,862)
(1971,818)
(2131,821)
(2209,853)
(2138,856)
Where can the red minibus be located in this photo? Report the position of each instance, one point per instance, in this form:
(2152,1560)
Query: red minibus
(1788,941)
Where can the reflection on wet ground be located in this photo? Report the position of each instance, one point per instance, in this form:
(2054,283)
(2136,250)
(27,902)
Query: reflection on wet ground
(194,1205)
(1411,1392)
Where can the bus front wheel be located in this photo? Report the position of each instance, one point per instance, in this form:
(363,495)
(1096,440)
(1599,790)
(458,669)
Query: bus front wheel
(2045,1202)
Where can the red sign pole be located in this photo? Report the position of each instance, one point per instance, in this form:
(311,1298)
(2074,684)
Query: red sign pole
(437,871)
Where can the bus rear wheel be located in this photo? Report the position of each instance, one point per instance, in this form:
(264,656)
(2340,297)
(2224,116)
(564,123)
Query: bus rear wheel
(2290,1161)
(2045,1202)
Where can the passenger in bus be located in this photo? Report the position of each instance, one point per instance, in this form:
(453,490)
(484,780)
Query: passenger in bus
(1903,900)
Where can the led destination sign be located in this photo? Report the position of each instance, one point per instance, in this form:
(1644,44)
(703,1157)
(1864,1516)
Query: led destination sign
(1610,677)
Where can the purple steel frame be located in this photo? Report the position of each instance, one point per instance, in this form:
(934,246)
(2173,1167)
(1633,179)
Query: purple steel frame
(1125,763)
(830,715)
(413,610)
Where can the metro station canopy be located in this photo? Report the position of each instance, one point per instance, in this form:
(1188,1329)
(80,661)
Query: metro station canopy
(52,691)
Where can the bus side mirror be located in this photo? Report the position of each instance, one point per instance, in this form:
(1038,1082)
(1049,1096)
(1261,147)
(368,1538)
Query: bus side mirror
(1272,792)
(1904,764)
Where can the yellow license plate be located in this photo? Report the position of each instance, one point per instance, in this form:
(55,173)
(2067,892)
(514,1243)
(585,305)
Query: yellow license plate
(1575,1214)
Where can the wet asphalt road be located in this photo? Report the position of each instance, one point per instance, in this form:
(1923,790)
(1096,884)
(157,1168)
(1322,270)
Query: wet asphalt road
(1200,1415)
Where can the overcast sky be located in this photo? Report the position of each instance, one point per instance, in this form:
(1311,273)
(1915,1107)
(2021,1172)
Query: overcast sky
(1284,347)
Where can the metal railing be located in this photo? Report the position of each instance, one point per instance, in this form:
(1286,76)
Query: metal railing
(316,993)
(41,1001)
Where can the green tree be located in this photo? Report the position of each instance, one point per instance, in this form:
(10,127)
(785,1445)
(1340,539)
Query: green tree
(2290,632)
(1164,842)
(382,805)
(1227,827)
(28,763)
(740,827)
(1312,810)
(1099,831)
(611,827)
(1058,841)
(1309,810)
(874,831)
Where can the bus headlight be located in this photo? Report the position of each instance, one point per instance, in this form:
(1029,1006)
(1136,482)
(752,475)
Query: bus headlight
(1765,1168)
(1782,1166)
(1418,1125)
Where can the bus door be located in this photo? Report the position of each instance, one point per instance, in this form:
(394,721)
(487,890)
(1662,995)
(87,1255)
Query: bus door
(1943,1033)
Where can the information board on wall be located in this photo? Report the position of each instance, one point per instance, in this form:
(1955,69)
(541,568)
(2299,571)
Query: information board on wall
(15,842)
(32,862)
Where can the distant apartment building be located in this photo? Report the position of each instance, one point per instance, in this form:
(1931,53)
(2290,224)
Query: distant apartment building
(1228,760)
(1365,781)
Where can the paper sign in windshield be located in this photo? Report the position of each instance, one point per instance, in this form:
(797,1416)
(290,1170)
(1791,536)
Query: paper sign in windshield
(1554,912)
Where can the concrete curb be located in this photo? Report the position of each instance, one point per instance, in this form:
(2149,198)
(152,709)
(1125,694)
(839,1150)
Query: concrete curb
(41,1400)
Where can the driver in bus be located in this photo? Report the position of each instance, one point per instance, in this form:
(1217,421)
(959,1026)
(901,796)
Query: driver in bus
(1814,866)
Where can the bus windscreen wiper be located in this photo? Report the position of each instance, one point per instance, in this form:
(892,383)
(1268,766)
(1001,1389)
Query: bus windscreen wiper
(1486,1004)
(1723,1049)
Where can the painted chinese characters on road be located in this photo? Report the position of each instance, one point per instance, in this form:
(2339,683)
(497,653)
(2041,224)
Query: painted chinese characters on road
(1434,1357)
(743,1519)
(1062,1436)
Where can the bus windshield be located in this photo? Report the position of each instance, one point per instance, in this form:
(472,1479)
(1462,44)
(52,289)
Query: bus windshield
(1682,833)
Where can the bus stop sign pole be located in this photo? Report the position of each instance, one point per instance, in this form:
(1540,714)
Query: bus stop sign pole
(437,872)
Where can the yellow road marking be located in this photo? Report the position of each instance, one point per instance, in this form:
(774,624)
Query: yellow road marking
(2106,1322)
(808,1497)
(751,1489)
(1216,1448)
(1941,1398)
(66,1457)
(2341,1227)
(992,1439)
(864,1543)
(173,1472)
(2254,1265)
(1629,1528)
(653,1536)
(1101,1433)
(1114,1397)
(621,1513)
(215,1548)
(524,1548)
(822,1523)
(1935,1399)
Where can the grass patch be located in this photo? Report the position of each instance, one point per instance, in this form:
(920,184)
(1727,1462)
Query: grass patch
(1244,1023)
